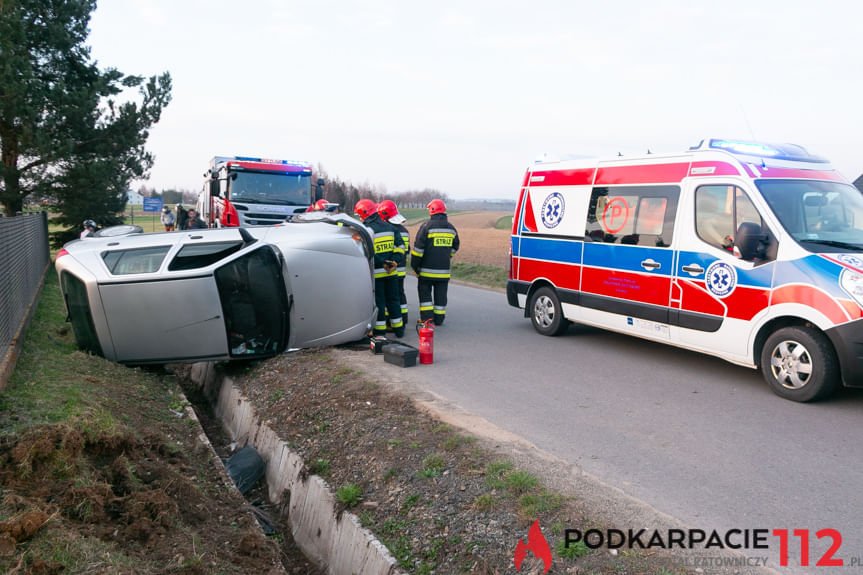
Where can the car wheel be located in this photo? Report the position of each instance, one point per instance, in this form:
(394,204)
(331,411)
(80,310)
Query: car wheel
(799,364)
(546,313)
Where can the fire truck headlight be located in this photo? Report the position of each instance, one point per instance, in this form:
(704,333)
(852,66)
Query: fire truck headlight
(852,282)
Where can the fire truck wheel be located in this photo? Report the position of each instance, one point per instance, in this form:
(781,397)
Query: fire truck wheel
(799,364)
(546,313)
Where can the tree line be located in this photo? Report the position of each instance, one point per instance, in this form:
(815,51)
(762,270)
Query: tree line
(347,194)
(65,132)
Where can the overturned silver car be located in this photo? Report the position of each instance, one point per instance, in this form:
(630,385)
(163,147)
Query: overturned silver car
(216,294)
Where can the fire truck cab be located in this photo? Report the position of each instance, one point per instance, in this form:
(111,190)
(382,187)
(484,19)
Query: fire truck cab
(748,251)
(246,191)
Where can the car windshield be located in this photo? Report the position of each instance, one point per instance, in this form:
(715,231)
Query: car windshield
(272,188)
(821,216)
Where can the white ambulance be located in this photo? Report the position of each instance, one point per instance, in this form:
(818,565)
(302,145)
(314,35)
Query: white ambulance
(748,251)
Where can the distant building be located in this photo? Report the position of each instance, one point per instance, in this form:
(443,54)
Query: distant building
(859,183)
(134,198)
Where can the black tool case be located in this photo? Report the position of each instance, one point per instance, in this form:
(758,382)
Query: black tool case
(377,343)
(400,354)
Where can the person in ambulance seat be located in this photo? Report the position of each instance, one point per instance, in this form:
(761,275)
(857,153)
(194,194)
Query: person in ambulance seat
(390,213)
(712,225)
(389,255)
(435,244)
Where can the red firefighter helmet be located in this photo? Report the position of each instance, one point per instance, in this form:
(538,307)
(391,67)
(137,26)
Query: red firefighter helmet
(365,208)
(319,206)
(436,207)
(389,212)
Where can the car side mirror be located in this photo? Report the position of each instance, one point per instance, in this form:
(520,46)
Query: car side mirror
(749,241)
(319,189)
(214,187)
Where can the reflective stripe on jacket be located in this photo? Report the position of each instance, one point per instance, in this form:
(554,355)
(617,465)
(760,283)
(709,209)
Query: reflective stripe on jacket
(406,238)
(434,246)
(388,245)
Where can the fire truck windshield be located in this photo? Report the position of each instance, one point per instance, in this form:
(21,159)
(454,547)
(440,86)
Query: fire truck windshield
(821,216)
(271,188)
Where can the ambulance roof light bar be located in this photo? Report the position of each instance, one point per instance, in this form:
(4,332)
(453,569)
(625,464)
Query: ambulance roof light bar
(791,152)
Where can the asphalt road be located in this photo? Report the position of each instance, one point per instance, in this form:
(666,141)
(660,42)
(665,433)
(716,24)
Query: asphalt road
(696,438)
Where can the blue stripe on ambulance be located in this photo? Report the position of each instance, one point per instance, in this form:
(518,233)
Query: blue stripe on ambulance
(566,251)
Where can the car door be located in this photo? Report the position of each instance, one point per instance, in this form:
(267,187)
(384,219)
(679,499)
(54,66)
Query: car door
(627,265)
(716,293)
(203,300)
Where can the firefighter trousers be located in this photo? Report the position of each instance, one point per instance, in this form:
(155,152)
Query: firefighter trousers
(432,295)
(389,304)
(404,299)
(404,302)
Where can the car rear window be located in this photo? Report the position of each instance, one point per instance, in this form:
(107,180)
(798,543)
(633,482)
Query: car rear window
(136,261)
(195,256)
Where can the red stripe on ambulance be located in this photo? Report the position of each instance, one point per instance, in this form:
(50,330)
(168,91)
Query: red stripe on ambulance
(563,276)
(580,177)
(852,308)
(713,169)
(644,288)
(642,174)
(814,298)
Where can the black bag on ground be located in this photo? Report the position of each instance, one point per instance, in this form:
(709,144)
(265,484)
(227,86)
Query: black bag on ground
(245,467)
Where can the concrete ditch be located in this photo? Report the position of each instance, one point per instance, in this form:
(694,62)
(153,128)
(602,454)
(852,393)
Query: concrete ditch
(334,541)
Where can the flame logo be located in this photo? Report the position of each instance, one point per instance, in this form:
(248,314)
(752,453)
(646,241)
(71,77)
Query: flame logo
(535,542)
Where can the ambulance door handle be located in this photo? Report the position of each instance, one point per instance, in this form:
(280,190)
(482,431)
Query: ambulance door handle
(693,269)
(650,265)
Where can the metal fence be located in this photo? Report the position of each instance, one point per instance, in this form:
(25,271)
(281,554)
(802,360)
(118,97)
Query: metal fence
(24,256)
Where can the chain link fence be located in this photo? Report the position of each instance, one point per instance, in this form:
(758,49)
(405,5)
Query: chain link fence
(24,258)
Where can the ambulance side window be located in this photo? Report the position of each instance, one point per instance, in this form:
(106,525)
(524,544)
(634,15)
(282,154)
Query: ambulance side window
(719,211)
(636,215)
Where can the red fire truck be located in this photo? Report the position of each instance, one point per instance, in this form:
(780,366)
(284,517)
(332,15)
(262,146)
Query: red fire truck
(246,191)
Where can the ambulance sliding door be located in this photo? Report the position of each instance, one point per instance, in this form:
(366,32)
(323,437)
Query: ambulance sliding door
(628,259)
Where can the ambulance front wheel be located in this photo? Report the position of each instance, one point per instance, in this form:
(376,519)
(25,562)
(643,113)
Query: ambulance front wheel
(546,313)
(799,364)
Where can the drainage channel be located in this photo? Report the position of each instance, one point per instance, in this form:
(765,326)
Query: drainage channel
(315,537)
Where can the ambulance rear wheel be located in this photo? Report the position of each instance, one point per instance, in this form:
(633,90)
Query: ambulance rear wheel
(799,364)
(546,313)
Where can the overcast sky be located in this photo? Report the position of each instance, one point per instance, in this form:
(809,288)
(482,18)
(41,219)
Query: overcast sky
(461,96)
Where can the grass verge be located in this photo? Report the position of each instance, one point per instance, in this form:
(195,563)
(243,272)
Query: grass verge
(489,276)
(102,472)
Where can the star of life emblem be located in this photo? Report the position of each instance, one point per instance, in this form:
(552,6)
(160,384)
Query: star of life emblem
(721,279)
(552,210)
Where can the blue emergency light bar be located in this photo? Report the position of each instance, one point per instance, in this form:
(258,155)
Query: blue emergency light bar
(791,152)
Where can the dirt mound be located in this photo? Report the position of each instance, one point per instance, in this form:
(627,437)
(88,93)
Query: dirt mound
(140,496)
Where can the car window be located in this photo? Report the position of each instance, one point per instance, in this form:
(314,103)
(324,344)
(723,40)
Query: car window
(637,215)
(135,261)
(194,256)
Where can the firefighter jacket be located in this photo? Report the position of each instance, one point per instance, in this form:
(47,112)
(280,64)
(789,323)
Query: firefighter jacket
(388,245)
(434,245)
(406,238)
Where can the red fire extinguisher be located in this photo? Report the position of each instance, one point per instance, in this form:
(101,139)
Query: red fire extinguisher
(426,334)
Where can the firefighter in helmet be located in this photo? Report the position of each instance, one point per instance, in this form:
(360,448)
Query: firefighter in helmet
(319,206)
(434,246)
(389,255)
(390,213)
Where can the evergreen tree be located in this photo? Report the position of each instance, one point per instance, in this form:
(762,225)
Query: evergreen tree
(62,134)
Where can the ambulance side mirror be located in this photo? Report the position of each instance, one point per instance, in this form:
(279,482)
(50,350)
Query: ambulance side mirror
(749,241)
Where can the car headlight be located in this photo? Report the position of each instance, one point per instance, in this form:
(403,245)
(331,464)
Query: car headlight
(852,282)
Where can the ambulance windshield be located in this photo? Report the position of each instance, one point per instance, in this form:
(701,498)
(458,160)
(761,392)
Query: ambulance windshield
(821,216)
